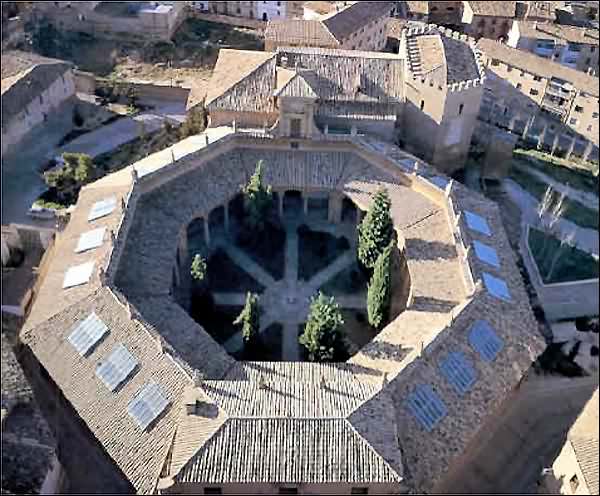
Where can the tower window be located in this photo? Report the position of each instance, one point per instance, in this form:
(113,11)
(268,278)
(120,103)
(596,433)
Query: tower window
(461,108)
(422,106)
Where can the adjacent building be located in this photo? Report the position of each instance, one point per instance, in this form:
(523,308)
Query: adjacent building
(141,21)
(545,102)
(575,470)
(426,97)
(32,88)
(357,26)
(575,47)
(263,11)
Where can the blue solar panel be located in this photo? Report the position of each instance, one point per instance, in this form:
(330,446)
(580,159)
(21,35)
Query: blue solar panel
(148,404)
(496,287)
(87,334)
(90,239)
(78,275)
(459,371)
(117,367)
(477,223)
(427,407)
(440,181)
(484,340)
(486,254)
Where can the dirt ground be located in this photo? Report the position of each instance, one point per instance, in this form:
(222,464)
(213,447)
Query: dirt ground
(188,60)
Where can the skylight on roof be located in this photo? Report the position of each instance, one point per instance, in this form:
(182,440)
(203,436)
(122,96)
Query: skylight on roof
(426,406)
(117,367)
(484,340)
(102,208)
(90,239)
(87,334)
(459,372)
(486,254)
(77,275)
(147,405)
(496,287)
(477,223)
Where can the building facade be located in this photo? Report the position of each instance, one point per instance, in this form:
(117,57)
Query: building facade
(544,101)
(260,10)
(356,26)
(426,97)
(574,47)
(32,88)
(575,470)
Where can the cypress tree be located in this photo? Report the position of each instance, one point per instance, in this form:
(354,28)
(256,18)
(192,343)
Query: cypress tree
(376,230)
(257,199)
(249,319)
(322,336)
(379,290)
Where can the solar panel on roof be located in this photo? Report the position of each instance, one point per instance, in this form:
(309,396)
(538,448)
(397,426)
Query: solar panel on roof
(477,223)
(439,181)
(117,367)
(87,334)
(496,287)
(459,371)
(427,407)
(148,404)
(486,254)
(77,275)
(102,208)
(90,239)
(484,340)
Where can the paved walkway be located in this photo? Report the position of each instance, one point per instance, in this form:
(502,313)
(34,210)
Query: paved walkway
(117,133)
(585,239)
(588,199)
(286,301)
(22,182)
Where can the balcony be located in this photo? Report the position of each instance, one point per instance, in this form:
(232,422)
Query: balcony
(555,109)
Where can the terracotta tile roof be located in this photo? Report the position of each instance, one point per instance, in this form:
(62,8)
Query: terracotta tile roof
(354,17)
(287,450)
(417,7)
(494,8)
(298,87)
(539,66)
(320,7)
(139,454)
(585,441)
(301,32)
(395,26)
(232,67)
(558,32)
(24,77)
(236,443)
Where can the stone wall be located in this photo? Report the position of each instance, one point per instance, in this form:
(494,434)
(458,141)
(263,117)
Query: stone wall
(56,94)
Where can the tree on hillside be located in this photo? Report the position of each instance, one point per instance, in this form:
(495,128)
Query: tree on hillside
(379,289)
(257,199)
(376,230)
(194,123)
(249,319)
(322,333)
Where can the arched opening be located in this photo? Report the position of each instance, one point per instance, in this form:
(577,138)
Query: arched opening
(349,211)
(264,17)
(216,221)
(292,203)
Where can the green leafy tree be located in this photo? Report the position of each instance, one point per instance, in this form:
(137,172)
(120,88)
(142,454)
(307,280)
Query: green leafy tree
(198,269)
(194,123)
(322,333)
(74,173)
(257,199)
(249,318)
(379,289)
(376,230)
